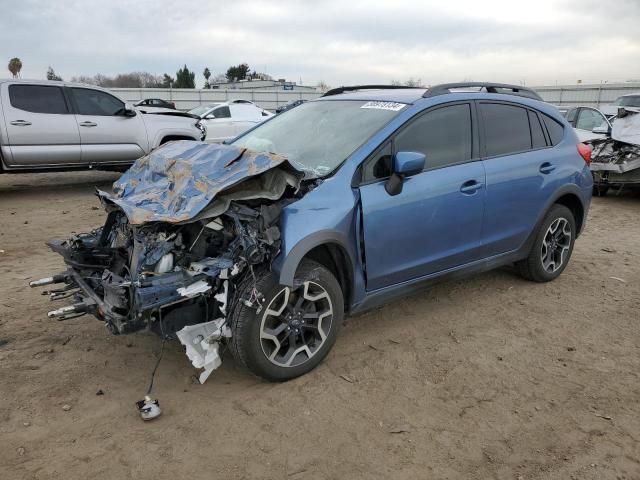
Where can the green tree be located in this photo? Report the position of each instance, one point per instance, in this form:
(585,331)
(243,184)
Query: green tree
(51,74)
(206,74)
(167,81)
(237,72)
(15,65)
(185,78)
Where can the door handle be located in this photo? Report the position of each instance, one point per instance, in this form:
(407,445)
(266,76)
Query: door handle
(88,124)
(470,187)
(20,123)
(546,168)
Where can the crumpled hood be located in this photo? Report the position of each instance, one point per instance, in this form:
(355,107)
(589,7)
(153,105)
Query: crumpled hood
(177,181)
(627,128)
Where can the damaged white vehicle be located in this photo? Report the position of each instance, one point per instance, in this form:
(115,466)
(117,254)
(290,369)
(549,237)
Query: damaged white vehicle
(615,161)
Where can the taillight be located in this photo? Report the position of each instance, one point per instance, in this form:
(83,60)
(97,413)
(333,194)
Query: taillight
(585,152)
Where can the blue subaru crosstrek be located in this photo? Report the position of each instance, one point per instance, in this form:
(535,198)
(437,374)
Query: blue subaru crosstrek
(339,205)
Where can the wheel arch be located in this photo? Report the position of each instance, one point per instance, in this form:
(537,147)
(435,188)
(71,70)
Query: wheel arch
(573,203)
(170,138)
(569,196)
(330,249)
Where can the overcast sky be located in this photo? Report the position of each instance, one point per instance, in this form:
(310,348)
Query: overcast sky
(337,41)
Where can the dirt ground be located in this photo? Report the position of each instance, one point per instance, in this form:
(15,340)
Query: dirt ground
(488,377)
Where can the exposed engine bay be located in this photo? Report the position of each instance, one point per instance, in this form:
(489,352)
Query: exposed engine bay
(186,226)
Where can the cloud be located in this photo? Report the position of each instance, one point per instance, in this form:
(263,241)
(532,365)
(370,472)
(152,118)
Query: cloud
(335,41)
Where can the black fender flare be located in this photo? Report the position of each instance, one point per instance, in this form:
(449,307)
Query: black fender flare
(571,189)
(285,267)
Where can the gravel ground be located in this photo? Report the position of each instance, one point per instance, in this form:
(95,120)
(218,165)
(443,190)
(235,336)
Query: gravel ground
(488,377)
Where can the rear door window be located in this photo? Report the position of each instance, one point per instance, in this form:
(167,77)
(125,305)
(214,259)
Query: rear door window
(506,129)
(38,98)
(244,112)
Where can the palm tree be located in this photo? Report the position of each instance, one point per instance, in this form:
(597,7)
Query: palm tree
(15,65)
(206,74)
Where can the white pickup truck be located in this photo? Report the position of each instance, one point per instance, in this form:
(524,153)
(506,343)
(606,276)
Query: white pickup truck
(61,125)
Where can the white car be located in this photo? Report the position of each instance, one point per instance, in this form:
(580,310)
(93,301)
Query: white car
(229,119)
(628,100)
(588,123)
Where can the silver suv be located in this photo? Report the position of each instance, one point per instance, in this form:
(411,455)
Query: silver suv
(57,125)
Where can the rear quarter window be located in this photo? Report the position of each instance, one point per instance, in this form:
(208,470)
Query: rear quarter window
(555,129)
(537,134)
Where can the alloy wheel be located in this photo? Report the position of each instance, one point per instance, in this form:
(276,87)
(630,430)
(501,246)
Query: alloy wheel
(296,324)
(556,245)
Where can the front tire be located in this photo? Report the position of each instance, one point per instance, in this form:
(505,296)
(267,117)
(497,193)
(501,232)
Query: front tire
(294,329)
(552,246)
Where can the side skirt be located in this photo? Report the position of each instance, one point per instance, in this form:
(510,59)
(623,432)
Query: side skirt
(377,298)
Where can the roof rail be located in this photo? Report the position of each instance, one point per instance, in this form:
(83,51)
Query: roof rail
(339,90)
(445,88)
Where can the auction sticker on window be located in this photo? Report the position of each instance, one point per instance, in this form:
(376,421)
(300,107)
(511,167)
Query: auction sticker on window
(384,106)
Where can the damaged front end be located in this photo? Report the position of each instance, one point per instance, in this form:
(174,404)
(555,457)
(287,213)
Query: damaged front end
(185,226)
(615,161)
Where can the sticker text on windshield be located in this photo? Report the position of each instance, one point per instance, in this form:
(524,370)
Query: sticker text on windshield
(384,106)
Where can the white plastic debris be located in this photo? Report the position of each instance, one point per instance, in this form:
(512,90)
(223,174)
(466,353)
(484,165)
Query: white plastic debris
(194,289)
(202,342)
(148,408)
(215,224)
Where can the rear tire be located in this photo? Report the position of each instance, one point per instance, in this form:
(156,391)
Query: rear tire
(294,329)
(552,247)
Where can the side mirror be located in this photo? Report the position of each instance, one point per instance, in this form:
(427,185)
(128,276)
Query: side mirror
(265,114)
(405,164)
(211,116)
(128,110)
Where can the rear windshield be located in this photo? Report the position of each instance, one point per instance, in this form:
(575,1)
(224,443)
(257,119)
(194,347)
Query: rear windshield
(317,137)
